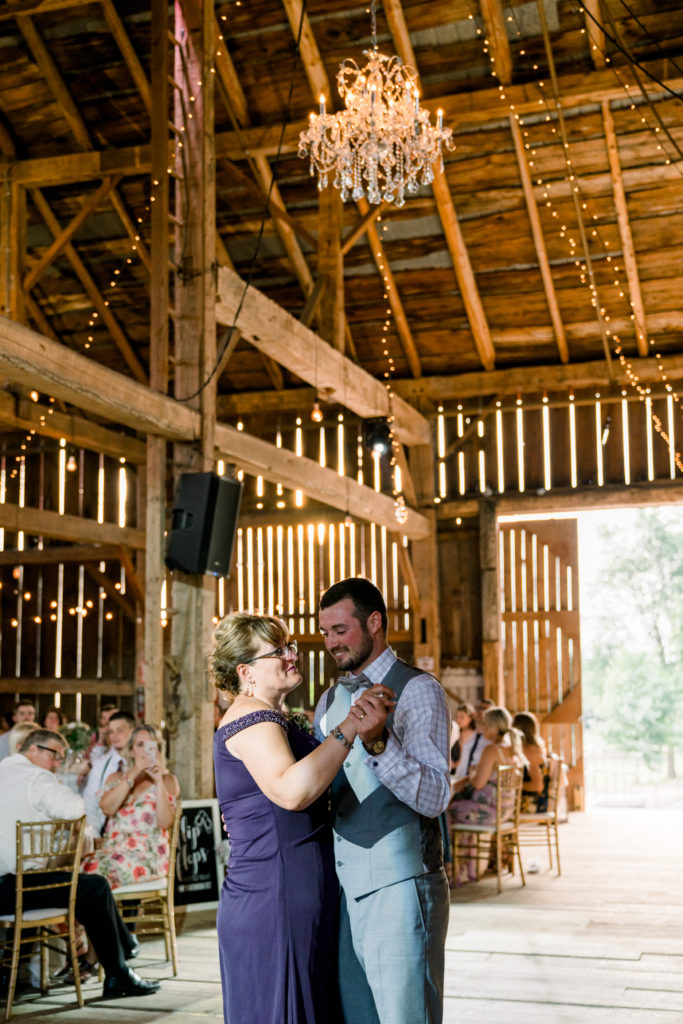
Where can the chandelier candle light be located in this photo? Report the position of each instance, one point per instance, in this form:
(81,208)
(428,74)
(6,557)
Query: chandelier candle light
(382,145)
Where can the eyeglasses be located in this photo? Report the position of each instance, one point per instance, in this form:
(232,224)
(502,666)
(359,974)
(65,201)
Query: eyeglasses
(57,754)
(286,651)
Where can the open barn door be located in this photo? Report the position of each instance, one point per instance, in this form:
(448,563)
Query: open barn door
(540,634)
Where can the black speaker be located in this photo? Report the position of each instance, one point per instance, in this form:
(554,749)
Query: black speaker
(203,525)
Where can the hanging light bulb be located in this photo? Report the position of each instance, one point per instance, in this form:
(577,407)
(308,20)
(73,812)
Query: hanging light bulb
(316,412)
(71,463)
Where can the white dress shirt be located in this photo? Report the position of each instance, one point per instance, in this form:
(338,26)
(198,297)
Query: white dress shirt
(30,793)
(469,757)
(102,768)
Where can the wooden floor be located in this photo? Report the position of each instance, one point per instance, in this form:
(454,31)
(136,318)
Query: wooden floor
(602,943)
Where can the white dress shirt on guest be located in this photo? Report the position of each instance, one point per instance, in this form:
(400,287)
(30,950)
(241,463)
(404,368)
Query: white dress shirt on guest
(102,767)
(469,757)
(30,793)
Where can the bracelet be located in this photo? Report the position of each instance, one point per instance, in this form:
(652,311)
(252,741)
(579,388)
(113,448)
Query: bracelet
(128,782)
(339,735)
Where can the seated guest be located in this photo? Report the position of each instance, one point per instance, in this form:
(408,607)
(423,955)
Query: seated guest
(472,749)
(99,741)
(477,803)
(97,769)
(140,805)
(536,777)
(54,718)
(24,711)
(30,792)
(466,727)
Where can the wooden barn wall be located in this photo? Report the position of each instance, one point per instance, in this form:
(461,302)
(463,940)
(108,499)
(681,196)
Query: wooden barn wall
(58,626)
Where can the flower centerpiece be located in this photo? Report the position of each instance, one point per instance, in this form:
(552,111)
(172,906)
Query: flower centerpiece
(77,736)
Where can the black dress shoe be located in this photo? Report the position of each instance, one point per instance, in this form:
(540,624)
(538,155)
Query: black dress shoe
(134,948)
(128,983)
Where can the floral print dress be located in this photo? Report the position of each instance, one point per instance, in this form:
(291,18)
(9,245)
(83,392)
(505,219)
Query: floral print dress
(134,848)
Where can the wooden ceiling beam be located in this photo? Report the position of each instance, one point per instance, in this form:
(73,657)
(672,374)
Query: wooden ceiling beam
(103,581)
(320,84)
(579,499)
(497,40)
(539,243)
(66,234)
(628,249)
(29,358)
(39,522)
(19,8)
(18,413)
(286,226)
(273,330)
(97,687)
(535,379)
(447,214)
(460,110)
(403,330)
(593,21)
(279,465)
(93,292)
(370,217)
(131,59)
(55,83)
(56,555)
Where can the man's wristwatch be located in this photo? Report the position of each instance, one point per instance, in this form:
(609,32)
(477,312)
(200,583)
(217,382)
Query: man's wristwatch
(377,746)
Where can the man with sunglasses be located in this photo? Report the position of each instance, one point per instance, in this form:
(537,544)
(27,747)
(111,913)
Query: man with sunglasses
(29,791)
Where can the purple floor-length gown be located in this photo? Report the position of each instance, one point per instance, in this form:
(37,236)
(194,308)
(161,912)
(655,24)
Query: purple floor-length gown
(278,914)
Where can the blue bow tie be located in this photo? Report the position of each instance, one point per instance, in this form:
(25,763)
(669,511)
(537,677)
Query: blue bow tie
(353,683)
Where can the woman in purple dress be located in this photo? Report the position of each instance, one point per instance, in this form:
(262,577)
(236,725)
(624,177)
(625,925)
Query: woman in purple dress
(278,913)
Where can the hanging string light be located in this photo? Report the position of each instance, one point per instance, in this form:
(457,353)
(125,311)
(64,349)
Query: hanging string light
(383,144)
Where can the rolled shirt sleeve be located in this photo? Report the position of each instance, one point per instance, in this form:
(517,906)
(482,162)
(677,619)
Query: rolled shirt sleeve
(415,764)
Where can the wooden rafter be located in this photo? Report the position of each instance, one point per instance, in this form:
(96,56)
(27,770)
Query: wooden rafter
(320,84)
(17,8)
(103,581)
(447,214)
(275,331)
(539,242)
(463,108)
(118,31)
(497,39)
(19,413)
(67,233)
(535,379)
(229,81)
(594,32)
(628,249)
(55,555)
(29,358)
(92,290)
(39,522)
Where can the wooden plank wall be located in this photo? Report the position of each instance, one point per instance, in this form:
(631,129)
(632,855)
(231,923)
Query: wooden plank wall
(541,635)
(282,570)
(56,621)
(536,446)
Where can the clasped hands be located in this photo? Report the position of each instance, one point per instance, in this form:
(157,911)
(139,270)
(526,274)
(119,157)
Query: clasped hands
(370,711)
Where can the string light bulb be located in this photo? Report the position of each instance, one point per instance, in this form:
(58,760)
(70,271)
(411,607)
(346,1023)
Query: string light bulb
(316,412)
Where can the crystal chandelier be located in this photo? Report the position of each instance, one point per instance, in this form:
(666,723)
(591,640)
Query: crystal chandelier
(382,145)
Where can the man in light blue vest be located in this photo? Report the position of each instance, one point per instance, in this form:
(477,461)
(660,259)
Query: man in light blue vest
(386,801)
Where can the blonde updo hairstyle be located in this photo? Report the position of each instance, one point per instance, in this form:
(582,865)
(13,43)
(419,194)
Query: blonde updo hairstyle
(500,718)
(235,642)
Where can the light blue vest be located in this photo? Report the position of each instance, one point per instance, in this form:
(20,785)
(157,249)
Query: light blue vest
(378,840)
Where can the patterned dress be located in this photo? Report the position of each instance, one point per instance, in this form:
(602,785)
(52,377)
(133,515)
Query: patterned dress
(134,848)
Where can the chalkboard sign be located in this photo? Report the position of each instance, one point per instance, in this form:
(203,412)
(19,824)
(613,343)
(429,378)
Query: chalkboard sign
(199,873)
